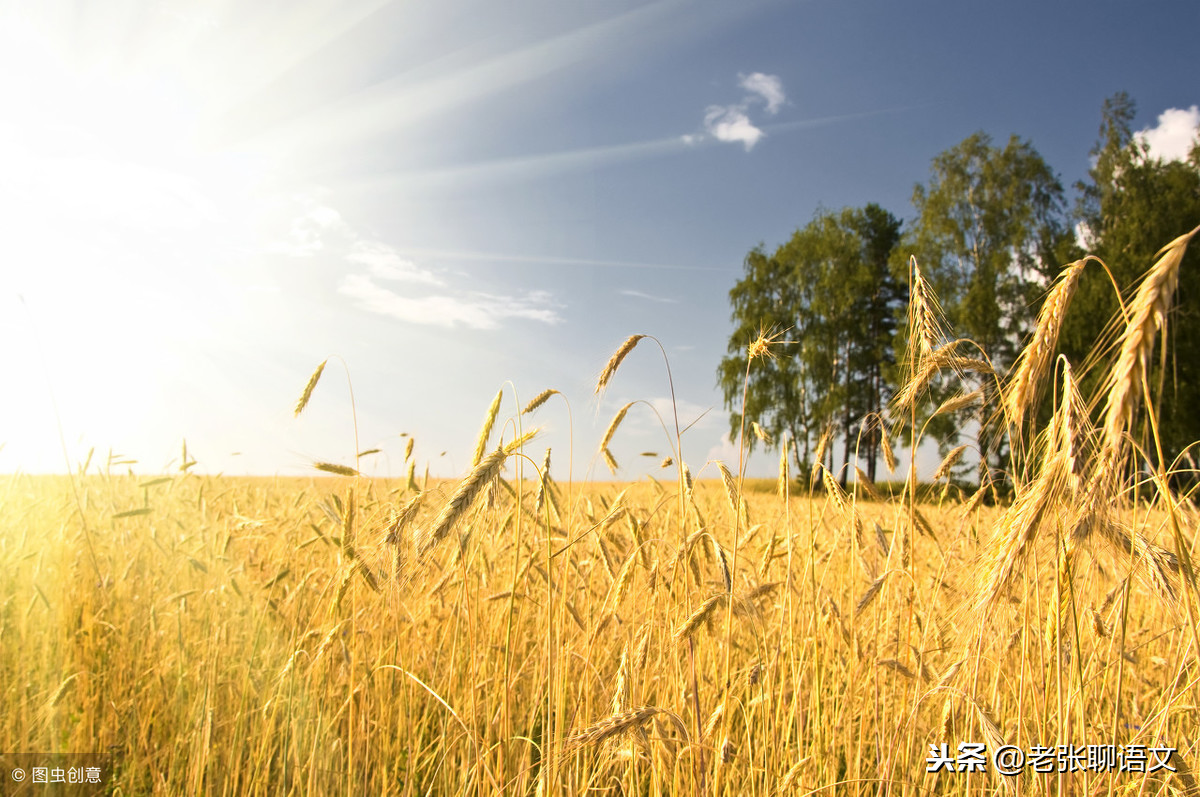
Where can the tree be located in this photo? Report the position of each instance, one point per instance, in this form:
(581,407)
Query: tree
(875,301)
(989,225)
(1131,205)
(830,285)
(767,298)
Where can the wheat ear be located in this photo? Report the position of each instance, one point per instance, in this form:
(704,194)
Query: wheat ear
(614,362)
(539,400)
(308,389)
(1036,356)
(927,330)
(464,495)
(620,723)
(337,470)
(612,426)
(485,431)
(1148,314)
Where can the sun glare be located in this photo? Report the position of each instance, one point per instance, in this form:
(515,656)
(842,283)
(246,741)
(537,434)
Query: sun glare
(118,218)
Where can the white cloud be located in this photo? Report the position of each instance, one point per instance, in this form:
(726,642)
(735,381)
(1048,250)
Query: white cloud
(767,87)
(1175,134)
(648,297)
(386,263)
(726,451)
(473,310)
(1083,236)
(309,231)
(730,123)
(691,414)
(372,263)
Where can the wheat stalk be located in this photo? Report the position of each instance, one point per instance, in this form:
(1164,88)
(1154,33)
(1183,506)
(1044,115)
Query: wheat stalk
(1019,527)
(722,560)
(614,362)
(612,426)
(538,400)
(403,517)
(842,501)
(485,431)
(464,495)
(1148,314)
(781,485)
(620,723)
(622,580)
(701,616)
(937,360)
(862,480)
(1035,358)
(819,453)
(949,462)
(736,505)
(871,592)
(897,666)
(927,330)
(889,456)
(338,470)
(308,389)
(961,401)
(539,500)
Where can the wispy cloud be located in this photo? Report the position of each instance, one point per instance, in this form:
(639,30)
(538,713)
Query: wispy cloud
(465,76)
(470,309)
(1174,135)
(319,229)
(768,87)
(386,263)
(732,123)
(529,167)
(499,257)
(648,297)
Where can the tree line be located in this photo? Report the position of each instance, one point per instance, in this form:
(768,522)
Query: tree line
(993,228)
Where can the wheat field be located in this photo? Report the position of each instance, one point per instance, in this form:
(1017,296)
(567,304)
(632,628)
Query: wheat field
(709,635)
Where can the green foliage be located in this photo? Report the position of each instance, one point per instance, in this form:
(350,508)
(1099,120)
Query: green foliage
(991,234)
(831,286)
(985,222)
(991,223)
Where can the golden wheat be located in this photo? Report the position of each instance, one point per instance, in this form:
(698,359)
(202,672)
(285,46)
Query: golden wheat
(485,431)
(462,498)
(1030,368)
(539,400)
(614,362)
(308,390)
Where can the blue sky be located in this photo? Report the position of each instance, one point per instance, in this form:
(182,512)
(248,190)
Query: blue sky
(203,200)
